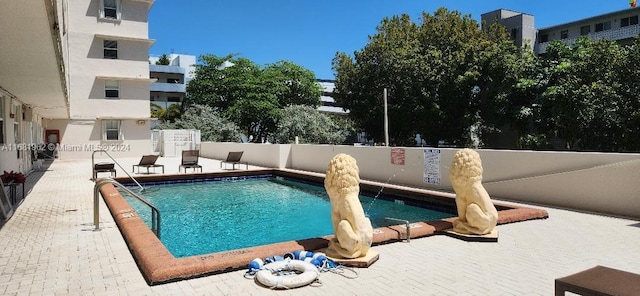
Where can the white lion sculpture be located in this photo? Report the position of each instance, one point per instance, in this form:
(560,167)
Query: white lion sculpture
(353,231)
(476,212)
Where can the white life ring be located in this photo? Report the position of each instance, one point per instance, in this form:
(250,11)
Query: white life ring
(267,277)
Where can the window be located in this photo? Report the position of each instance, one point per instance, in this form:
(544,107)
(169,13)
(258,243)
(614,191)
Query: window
(173,80)
(564,34)
(110,49)
(629,21)
(110,9)
(112,130)
(603,26)
(174,99)
(514,34)
(111,89)
(544,38)
(1,120)
(585,30)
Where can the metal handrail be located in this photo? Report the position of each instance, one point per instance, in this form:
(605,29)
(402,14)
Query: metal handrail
(155,213)
(407,225)
(93,166)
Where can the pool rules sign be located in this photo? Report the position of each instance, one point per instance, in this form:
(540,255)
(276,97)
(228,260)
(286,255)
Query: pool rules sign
(397,156)
(432,166)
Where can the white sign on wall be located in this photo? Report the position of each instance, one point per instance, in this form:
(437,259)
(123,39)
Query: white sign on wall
(432,166)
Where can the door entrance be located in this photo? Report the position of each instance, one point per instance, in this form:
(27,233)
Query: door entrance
(53,139)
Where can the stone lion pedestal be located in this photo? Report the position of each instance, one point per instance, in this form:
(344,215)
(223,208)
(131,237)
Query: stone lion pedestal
(353,234)
(477,216)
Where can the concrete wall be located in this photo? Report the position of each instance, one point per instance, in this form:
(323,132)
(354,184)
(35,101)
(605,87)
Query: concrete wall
(599,182)
(265,155)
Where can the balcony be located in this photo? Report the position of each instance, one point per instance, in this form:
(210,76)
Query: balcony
(166,69)
(613,34)
(168,87)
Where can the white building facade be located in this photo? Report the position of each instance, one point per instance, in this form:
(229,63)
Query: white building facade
(74,75)
(329,105)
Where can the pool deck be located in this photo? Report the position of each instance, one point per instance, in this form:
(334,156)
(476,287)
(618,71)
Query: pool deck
(49,248)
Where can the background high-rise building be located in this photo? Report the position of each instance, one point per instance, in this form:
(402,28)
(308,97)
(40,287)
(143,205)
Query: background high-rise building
(621,26)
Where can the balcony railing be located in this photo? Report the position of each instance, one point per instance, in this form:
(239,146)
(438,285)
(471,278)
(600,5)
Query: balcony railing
(166,69)
(613,34)
(168,87)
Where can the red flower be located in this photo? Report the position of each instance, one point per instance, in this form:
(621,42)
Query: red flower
(13,177)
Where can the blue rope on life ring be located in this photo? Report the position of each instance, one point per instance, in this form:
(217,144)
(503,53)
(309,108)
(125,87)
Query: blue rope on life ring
(318,259)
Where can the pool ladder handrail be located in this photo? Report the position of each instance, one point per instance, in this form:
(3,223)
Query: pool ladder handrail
(407,225)
(155,213)
(93,165)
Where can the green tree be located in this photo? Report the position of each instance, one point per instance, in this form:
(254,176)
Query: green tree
(310,126)
(630,94)
(163,60)
(495,97)
(585,101)
(392,59)
(165,115)
(156,110)
(527,91)
(213,126)
(251,96)
(445,76)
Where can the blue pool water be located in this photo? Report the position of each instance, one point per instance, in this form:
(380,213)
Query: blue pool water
(207,217)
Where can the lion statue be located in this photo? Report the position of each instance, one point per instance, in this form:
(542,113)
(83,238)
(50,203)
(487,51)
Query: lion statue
(476,212)
(353,231)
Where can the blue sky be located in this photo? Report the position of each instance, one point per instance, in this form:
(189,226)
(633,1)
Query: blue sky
(309,33)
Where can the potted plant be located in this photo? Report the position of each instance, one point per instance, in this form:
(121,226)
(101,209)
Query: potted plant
(13,177)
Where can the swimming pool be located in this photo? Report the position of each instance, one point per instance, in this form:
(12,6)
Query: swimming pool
(233,213)
(158,265)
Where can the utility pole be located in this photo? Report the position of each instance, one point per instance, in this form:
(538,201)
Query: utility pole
(386,120)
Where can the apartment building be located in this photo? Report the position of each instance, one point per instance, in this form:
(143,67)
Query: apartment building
(171,80)
(329,105)
(521,26)
(621,26)
(74,76)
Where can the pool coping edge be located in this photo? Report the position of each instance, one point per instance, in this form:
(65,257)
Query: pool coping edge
(159,266)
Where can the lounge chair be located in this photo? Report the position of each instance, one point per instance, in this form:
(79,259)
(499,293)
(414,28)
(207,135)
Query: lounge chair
(599,280)
(148,161)
(104,167)
(190,160)
(234,158)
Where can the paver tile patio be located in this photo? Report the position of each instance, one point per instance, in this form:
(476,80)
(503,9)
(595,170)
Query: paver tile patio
(49,247)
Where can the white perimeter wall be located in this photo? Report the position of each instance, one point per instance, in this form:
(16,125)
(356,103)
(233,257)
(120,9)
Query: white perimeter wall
(599,182)
(267,155)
